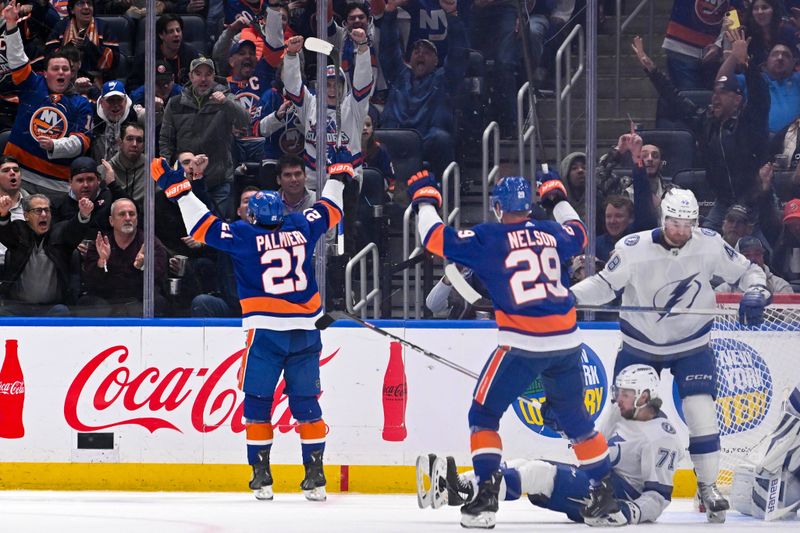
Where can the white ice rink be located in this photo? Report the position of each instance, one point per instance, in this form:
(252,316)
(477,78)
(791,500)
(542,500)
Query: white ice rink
(147,512)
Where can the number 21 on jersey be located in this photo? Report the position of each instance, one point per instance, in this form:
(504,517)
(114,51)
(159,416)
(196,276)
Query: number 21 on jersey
(277,278)
(540,275)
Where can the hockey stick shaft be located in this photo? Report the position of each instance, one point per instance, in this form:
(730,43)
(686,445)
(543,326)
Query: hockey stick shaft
(472,296)
(323,323)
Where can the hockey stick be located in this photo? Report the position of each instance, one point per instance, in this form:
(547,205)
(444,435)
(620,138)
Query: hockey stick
(332,316)
(473,297)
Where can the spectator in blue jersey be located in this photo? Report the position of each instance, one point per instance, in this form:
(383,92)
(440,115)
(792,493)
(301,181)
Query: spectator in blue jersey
(114,108)
(246,87)
(420,93)
(98,45)
(36,270)
(50,128)
(201,120)
(356,16)
(732,136)
(171,49)
(277,121)
(166,88)
(113,269)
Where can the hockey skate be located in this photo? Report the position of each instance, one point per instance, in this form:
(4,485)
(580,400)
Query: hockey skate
(261,482)
(459,490)
(425,471)
(712,502)
(314,483)
(603,509)
(480,512)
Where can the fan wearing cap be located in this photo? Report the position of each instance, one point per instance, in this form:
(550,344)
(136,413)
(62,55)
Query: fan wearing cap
(51,123)
(246,86)
(736,224)
(98,45)
(201,120)
(732,134)
(85,182)
(166,88)
(753,250)
(786,259)
(420,93)
(114,108)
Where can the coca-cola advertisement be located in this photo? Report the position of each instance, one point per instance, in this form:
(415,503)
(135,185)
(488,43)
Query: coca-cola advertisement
(12,394)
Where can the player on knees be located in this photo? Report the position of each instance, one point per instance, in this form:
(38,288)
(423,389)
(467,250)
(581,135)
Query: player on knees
(274,266)
(770,489)
(642,444)
(520,261)
(672,266)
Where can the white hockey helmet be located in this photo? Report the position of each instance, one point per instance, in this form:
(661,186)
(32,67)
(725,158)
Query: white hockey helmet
(638,378)
(679,203)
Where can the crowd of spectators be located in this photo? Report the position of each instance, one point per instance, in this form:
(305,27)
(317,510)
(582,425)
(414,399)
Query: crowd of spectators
(235,106)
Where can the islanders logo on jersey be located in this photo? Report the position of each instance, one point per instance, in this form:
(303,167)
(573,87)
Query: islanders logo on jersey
(48,122)
(249,101)
(595,391)
(744,387)
(710,12)
(291,141)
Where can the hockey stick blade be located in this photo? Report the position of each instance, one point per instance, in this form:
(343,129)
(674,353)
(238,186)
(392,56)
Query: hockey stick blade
(312,44)
(461,285)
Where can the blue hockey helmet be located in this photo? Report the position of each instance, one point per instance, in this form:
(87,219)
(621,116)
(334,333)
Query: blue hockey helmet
(513,193)
(265,208)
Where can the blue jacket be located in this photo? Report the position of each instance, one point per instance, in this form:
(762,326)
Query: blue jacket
(425,103)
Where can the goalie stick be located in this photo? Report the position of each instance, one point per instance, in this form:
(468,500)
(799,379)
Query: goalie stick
(329,318)
(473,297)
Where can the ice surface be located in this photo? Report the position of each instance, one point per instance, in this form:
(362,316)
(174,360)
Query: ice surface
(149,512)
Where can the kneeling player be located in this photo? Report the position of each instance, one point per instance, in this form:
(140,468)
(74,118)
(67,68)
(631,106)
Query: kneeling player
(643,448)
(771,489)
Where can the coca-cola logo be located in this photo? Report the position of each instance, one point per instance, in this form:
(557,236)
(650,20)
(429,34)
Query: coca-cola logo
(152,393)
(12,387)
(395,391)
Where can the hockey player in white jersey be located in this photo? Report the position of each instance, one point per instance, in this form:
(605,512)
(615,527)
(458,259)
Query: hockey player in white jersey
(671,267)
(354,103)
(770,489)
(642,446)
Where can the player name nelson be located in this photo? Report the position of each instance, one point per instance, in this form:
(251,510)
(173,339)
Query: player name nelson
(281,239)
(525,238)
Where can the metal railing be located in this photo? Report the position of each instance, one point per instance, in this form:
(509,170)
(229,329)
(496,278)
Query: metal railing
(621,25)
(565,93)
(455,215)
(489,174)
(529,133)
(408,254)
(374,295)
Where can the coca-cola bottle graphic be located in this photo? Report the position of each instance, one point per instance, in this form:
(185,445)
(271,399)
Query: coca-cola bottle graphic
(12,394)
(394,395)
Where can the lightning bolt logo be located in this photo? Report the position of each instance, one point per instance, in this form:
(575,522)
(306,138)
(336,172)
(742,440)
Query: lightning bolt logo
(677,293)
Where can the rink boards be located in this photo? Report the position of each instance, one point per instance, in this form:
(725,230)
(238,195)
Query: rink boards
(153,405)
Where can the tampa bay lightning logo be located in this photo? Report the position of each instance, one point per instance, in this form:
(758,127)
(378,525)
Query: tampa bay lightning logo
(666,426)
(681,293)
(630,241)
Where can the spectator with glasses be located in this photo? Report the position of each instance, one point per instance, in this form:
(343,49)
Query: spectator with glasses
(35,276)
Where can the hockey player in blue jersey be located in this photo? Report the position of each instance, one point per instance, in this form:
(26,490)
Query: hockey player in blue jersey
(274,267)
(519,262)
(642,443)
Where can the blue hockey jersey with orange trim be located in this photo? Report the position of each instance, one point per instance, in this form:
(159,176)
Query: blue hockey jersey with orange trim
(521,267)
(274,269)
(41,113)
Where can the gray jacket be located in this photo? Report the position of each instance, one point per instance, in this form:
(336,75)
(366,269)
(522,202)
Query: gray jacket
(202,127)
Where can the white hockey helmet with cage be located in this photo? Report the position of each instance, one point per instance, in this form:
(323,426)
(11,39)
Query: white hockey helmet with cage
(681,204)
(638,378)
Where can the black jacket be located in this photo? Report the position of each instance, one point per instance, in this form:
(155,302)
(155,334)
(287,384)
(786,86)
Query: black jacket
(65,208)
(20,240)
(733,150)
